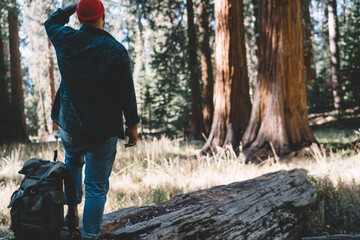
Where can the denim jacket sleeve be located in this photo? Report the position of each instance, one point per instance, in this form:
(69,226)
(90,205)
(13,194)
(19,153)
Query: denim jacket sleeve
(125,88)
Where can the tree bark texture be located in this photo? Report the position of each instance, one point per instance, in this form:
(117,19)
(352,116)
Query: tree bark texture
(308,53)
(231,95)
(17,94)
(273,206)
(52,80)
(279,116)
(5,116)
(334,54)
(196,124)
(206,66)
(334,237)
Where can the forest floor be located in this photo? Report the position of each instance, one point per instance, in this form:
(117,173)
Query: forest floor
(160,168)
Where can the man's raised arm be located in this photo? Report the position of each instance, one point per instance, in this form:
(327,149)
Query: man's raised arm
(55,24)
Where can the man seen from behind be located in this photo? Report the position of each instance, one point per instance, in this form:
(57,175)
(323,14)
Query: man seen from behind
(95,91)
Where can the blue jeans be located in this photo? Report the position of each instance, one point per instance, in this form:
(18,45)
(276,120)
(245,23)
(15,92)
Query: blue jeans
(99,159)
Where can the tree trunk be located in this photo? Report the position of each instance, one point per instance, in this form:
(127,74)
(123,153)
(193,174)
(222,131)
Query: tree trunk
(231,95)
(308,53)
(272,206)
(17,94)
(255,3)
(42,105)
(196,124)
(206,66)
(5,116)
(279,116)
(334,55)
(52,82)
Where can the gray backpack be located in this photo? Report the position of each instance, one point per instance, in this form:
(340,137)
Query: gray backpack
(37,207)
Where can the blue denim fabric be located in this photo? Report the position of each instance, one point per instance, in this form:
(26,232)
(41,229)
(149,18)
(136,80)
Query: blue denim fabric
(98,159)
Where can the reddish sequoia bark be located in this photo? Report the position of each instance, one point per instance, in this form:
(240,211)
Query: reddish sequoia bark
(17,95)
(206,66)
(196,124)
(52,81)
(231,94)
(279,115)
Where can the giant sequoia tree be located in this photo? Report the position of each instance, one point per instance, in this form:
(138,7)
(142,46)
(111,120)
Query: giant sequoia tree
(231,95)
(279,115)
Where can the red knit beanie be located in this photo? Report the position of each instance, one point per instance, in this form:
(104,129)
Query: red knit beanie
(88,10)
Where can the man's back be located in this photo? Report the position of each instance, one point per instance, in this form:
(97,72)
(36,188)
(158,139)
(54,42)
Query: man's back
(96,76)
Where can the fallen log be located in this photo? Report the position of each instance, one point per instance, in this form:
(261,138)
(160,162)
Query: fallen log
(334,237)
(272,206)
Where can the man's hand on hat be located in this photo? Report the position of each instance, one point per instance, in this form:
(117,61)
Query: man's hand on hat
(70,10)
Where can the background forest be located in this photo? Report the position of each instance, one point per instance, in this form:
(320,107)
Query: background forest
(158,36)
(202,72)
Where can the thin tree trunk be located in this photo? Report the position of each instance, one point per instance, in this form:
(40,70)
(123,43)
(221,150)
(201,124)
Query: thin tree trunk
(52,85)
(42,105)
(256,25)
(231,95)
(279,116)
(334,55)
(196,124)
(308,54)
(206,66)
(17,94)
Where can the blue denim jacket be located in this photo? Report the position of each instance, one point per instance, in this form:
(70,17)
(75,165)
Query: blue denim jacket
(96,86)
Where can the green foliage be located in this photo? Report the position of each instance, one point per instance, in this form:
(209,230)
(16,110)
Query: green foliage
(336,209)
(350,51)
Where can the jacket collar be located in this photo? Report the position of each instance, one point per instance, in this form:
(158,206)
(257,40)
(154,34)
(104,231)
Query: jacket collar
(90,29)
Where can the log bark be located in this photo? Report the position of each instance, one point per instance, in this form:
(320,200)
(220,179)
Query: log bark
(272,206)
(279,118)
(334,237)
(231,91)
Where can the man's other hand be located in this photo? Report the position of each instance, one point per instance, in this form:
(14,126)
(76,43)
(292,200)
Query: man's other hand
(131,132)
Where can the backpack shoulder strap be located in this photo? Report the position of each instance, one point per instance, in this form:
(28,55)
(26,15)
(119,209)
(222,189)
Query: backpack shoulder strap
(33,190)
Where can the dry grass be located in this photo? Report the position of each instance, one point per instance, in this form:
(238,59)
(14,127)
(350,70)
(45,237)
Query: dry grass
(155,170)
